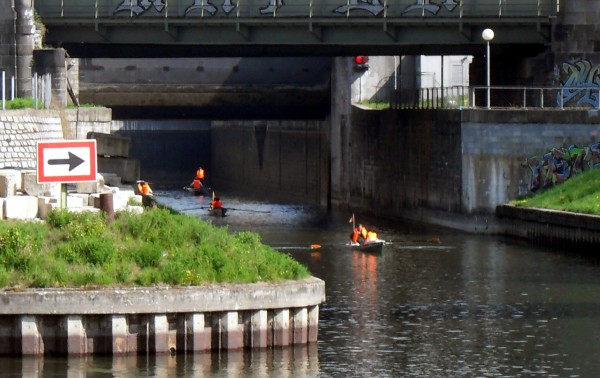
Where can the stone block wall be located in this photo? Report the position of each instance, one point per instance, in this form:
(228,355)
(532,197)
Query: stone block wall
(20,130)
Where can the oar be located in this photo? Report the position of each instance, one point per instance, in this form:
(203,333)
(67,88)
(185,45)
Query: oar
(191,208)
(255,211)
(312,246)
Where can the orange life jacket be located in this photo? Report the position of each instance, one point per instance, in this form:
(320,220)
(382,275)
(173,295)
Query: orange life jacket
(371,235)
(144,189)
(354,237)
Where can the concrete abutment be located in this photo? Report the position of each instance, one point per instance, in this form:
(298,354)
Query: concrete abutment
(161,320)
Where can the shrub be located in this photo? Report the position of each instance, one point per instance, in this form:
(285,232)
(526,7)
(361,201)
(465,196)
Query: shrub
(156,247)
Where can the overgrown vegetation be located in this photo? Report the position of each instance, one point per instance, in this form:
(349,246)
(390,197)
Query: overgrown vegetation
(156,247)
(23,103)
(375,104)
(580,194)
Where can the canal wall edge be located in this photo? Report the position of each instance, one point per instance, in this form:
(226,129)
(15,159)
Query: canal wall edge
(160,319)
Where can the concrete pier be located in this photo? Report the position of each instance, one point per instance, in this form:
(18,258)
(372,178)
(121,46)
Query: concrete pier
(160,320)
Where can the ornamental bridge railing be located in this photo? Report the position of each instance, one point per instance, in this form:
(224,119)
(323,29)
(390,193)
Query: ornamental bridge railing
(307,9)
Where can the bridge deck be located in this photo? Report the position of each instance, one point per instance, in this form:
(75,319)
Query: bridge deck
(349,25)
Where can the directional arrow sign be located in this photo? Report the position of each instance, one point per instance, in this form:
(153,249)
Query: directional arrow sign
(66,161)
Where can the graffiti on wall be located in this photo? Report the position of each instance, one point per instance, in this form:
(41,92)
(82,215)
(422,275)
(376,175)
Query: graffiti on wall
(559,164)
(374,7)
(582,85)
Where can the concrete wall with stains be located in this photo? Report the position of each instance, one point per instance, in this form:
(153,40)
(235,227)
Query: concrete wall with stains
(272,159)
(455,161)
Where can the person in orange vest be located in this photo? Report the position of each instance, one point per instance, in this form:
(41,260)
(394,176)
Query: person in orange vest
(196,184)
(363,233)
(371,236)
(359,235)
(144,188)
(354,236)
(200,173)
(216,203)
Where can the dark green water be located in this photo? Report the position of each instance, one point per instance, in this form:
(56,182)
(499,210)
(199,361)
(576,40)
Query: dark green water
(466,306)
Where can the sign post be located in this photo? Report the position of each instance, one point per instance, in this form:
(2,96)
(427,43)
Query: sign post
(66,161)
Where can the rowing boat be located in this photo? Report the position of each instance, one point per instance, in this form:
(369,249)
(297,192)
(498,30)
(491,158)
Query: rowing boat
(202,191)
(217,212)
(371,246)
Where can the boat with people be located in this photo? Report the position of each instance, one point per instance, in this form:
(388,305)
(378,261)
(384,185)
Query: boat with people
(197,187)
(370,246)
(364,239)
(200,191)
(216,206)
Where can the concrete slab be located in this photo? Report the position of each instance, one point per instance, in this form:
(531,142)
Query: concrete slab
(127,169)
(32,188)
(10,182)
(110,144)
(21,207)
(111,179)
(75,200)
(45,205)
(91,187)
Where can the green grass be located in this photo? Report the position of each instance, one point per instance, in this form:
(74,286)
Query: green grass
(23,103)
(156,247)
(579,194)
(375,104)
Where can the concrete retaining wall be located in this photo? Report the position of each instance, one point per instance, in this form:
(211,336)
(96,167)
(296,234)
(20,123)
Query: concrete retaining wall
(276,160)
(576,232)
(452,161)
(160,320)
(20,130)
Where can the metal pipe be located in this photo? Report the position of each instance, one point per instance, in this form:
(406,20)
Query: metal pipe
(488,74)
(3,90)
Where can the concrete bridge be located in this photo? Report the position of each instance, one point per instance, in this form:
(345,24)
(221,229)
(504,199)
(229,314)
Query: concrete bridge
(307,27)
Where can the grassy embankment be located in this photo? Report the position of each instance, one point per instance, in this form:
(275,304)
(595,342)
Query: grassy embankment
(29,103)
(156,247)
(579,194)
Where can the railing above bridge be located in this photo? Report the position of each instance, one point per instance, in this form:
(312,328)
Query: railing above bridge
(501,97)
(306,9)
(364,24)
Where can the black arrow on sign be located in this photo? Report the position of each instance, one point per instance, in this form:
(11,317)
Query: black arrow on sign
(74,161)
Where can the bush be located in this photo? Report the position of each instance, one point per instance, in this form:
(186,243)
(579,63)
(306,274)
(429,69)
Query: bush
(156,247)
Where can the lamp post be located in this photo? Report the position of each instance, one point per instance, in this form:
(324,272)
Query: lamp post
(488,35)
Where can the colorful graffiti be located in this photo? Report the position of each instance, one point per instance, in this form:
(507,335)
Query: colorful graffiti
(374,7)
(559,164)
(582,85)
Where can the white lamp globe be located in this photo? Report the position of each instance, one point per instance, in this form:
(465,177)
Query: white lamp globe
(488,34)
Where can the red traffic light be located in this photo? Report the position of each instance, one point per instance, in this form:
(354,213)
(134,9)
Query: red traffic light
(361,59)
(361,63)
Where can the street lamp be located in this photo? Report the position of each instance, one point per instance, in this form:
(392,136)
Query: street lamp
(488,35)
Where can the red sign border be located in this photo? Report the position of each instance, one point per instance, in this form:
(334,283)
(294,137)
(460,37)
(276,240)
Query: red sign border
(41,146)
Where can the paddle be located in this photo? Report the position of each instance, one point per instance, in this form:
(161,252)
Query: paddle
(255,211)
(312,246)
(229,208)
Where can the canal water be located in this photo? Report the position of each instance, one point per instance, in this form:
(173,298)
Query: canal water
(433,303)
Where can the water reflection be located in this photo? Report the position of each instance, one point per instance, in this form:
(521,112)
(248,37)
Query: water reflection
(433,303)
(280,362)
